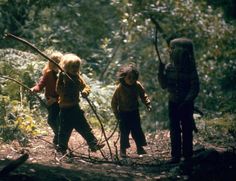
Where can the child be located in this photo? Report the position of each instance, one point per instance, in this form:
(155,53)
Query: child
(71,115)
(181,80)
(48,81)
(125,107)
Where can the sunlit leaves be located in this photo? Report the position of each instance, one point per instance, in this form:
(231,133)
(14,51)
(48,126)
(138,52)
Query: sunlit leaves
(100,97)
(17,120)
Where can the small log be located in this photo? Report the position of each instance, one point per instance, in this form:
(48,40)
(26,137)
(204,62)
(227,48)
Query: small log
(14,164)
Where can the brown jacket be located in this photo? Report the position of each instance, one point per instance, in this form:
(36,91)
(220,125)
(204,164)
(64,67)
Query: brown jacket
(69,91)
(125,98)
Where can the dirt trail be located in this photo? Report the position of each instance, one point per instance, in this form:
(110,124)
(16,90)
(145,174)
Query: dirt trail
(45,164)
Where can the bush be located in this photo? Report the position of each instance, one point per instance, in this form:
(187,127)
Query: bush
(17,121)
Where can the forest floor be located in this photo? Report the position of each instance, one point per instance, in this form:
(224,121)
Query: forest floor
(44,164)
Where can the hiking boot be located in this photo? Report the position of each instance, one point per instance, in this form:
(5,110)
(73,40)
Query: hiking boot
(96,147)
(141,151)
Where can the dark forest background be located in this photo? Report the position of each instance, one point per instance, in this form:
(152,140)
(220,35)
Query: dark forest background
(107,34)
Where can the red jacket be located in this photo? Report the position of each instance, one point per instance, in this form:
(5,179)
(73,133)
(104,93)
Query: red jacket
(47,81)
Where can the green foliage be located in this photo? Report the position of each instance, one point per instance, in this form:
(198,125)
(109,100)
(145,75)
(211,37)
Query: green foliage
(17,121)
(216,128)
(100,98)
(22,66)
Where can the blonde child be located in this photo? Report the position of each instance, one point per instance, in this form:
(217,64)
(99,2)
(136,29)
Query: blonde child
(48,82)
(125,107)
(71,115)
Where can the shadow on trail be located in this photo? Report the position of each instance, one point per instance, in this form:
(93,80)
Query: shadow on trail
(206,165)
(38,172)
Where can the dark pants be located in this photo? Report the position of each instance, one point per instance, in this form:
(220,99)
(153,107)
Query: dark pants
(130,123)
(181,128)
(73,118)
(53,120)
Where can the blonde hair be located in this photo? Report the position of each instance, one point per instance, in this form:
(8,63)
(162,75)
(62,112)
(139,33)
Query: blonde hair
(56,57)
(70,61)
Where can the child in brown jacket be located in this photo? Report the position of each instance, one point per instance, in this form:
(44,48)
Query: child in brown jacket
(125,107)
(71,115)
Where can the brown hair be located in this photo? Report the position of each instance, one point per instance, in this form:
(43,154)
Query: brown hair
(125,69)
